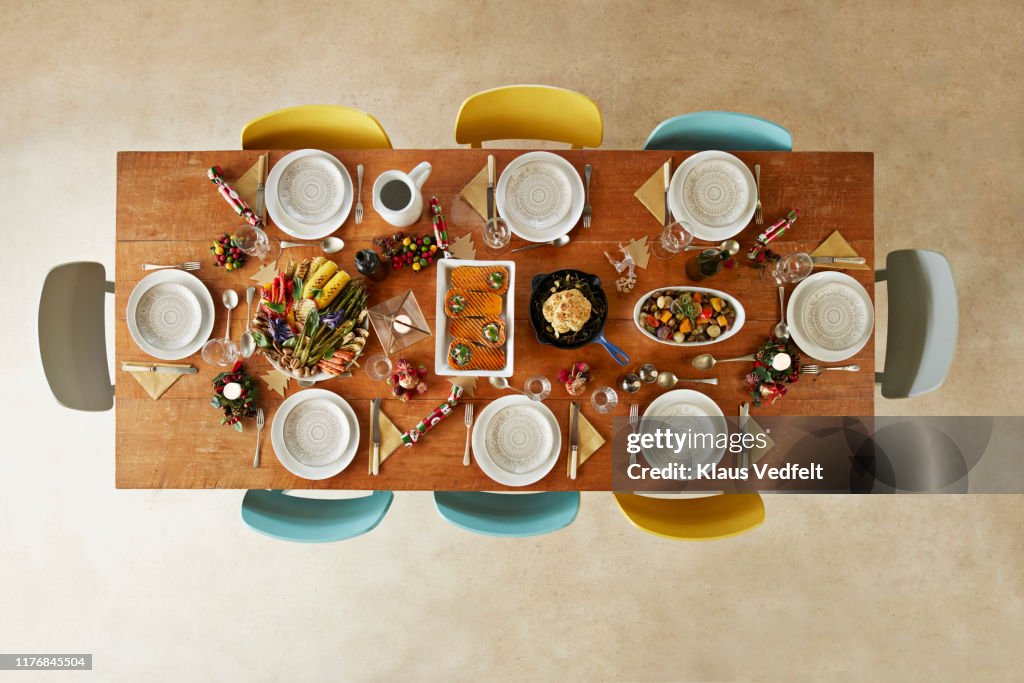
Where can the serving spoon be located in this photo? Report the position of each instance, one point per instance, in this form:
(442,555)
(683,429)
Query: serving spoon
(502,383)
(247,345)
(557,242)
(782,329)
(706,361)
(667,380)
(329,245)
(731,246)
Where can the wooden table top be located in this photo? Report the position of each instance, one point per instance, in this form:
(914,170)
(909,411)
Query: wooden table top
(168,212)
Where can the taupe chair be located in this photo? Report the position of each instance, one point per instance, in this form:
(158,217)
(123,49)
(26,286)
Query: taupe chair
(72,335)
(923,322)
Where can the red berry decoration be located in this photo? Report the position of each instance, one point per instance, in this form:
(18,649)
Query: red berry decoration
(230,253)
(243,405)
(419,251)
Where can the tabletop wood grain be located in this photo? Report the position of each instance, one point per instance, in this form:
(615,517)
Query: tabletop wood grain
(167,212)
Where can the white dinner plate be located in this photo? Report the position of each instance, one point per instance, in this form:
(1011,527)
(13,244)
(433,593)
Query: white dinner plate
(315,434)
(713,192)
(683,410)
(830,316)
(312,177)
(170,314)
(513,423)
(540,196)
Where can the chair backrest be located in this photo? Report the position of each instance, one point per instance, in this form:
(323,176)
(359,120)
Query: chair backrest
(319,126)
(313,520)
(923,322)
(508,515)
(529,112)
(724,130)
(694,519)
(72,335)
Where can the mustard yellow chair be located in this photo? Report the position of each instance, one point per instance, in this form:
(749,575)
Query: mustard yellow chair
(320,126)
(694,519)
(530,112)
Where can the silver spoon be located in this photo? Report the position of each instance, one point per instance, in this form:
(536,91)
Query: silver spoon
(782,329)
(502,383)
(248,343)
(329,245)
(230,300)
(731,246)
(706,361)
(667,380)
(557,242)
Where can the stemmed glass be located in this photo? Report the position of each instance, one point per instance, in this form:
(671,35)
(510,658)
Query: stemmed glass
(223,352)
(791,268)
(256,242)
(672,240)
(497,236)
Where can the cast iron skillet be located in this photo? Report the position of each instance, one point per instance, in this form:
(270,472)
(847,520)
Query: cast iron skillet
(592,332)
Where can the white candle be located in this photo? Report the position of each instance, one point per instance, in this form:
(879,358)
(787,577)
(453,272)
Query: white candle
(232,391)
(402,323)
(781,361)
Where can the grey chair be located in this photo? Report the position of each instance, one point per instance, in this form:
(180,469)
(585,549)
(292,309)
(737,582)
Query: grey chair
(923,322)
(72,335)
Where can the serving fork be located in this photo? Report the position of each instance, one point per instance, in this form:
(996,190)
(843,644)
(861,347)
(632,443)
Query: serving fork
(587,212)
(469,425)
(634,422)
(187,265)
(758,215)
(260,421)
(818,369)
(359,194)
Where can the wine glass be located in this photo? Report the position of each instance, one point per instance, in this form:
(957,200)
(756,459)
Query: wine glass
(672,240)
(497,236)
(256,242)
(791,268)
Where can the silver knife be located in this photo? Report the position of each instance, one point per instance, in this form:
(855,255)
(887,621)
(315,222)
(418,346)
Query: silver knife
(375,436)
(170,370)
(262,172)
(668,180)
(574,440)
(490,186)
(743,422)
(828,260)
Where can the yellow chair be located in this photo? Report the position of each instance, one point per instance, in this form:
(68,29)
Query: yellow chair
(694,519)
(320,126)
(529,112)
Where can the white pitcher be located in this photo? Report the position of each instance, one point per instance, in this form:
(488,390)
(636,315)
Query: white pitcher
(397,197)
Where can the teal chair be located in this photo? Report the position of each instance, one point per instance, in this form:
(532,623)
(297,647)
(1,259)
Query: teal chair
(724,130)
(923,322)
(313,520)
(508,515)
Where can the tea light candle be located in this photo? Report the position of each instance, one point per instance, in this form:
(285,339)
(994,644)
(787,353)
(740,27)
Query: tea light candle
(232,391)
(781,361)
(402,323)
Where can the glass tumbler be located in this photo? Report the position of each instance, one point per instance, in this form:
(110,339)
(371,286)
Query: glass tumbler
(378,367)
(604,399)
(537,387)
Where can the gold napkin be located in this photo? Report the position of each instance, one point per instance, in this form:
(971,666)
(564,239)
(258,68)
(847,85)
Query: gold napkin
(652,193)
(756,453)
(590,441)
(390,439)
(475,192)
(246,185)
(836,245)
(156,383)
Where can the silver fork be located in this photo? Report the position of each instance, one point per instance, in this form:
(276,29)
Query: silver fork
(634,422)
(187,265)
(758,216)
(469,424)
(260,421)
(359,194)
(586,197)
(818,369)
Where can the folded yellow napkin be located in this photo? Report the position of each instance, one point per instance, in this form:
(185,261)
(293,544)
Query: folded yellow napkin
(590,441)
(155,383)
(246,185)
(652,193)
(836,245)
(475,193)
(390,439)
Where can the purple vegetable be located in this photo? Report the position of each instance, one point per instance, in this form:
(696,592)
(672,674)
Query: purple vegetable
(333,320)
(664,332)
(280,330)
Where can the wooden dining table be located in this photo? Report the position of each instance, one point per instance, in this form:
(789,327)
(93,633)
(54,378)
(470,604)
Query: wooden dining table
(169,212)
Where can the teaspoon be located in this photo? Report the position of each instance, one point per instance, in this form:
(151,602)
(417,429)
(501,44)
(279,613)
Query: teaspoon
(329,245)
(667,380)
(230,301)
(731,246)
(706,361)
(502,383)
(247,345)
(782,329)
(557,242)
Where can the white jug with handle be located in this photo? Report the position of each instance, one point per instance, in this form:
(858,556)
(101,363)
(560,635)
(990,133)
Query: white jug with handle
(397,197)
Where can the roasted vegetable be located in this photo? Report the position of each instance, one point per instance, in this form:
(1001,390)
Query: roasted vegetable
(319,279)
(332,289)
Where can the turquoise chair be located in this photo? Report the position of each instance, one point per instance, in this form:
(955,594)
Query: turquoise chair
(923,322)
(724,130)
(508,515)
(313,520)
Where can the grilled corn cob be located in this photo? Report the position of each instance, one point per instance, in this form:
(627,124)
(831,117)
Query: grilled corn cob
(333,287)
(319,278)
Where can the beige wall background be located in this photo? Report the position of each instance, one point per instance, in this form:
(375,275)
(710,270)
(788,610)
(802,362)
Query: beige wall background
(170,586)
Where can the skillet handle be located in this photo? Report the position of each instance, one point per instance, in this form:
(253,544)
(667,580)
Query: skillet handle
(620,356)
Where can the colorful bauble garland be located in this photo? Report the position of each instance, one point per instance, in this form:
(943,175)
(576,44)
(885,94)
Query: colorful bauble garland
(235,393)
(776,366)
